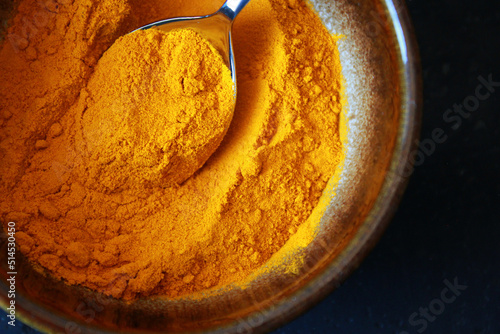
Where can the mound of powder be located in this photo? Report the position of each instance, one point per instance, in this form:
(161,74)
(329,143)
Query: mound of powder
(158,106)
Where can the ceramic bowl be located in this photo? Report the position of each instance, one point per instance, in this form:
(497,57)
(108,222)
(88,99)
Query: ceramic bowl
(380,66)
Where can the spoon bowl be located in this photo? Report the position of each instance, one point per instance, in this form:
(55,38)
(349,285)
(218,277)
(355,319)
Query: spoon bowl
(215,28)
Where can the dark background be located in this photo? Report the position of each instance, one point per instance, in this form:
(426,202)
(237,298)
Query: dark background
(448,223)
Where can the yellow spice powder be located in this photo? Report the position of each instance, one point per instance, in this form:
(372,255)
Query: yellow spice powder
(155,109)
(131,236)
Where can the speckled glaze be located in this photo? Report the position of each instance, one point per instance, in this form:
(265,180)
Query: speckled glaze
(380,66)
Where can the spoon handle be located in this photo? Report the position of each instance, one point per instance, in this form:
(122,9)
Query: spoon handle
(232,8)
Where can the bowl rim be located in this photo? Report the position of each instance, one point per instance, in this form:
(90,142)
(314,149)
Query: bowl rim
(391,193)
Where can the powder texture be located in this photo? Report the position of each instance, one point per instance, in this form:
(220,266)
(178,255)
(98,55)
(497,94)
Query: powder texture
(218,226)
(157,107)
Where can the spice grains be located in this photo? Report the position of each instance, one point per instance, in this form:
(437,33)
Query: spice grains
(147,238)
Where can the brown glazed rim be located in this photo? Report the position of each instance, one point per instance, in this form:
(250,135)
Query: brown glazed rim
(388,199)
(369,231)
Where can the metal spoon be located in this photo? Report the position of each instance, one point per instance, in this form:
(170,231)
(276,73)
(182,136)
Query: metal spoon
(216,28)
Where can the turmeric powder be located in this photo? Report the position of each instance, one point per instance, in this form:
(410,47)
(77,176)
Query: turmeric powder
(167,100)
(218,226)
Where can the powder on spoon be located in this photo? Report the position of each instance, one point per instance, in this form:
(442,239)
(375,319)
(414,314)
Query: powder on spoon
(158,105)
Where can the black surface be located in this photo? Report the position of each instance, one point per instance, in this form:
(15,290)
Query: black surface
(447,225)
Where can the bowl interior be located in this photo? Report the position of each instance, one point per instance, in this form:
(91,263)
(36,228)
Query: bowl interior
(381,118)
